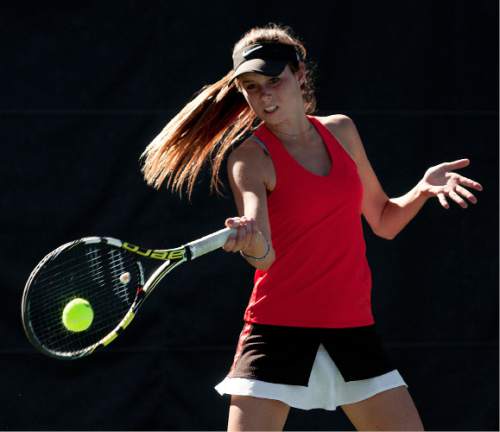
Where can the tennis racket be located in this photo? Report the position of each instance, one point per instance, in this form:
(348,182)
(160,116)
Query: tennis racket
(111,276)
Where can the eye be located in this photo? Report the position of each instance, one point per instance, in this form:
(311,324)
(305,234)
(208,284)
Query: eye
(275,80)
(249,87)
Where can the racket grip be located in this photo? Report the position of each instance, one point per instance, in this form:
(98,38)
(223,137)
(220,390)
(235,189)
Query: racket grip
(209,243)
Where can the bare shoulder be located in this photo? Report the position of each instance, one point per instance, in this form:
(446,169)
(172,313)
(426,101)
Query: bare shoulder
(249,163)
(344,130)
(337,120)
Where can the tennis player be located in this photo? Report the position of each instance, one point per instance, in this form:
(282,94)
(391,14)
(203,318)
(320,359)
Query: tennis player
(300,183)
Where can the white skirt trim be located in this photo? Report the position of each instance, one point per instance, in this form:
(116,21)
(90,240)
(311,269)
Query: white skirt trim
(326,388)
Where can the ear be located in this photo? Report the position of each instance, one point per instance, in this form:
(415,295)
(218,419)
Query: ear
(301,74)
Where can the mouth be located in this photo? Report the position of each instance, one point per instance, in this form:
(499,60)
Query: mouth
(271,109)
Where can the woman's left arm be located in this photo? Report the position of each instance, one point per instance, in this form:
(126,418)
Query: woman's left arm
(388,216)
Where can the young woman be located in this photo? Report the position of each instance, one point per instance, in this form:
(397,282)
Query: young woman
(301,184)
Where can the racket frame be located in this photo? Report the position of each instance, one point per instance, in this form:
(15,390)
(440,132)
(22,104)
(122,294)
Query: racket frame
(171,257)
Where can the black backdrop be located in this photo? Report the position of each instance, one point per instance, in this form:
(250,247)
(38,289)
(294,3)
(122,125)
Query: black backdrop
(85,86)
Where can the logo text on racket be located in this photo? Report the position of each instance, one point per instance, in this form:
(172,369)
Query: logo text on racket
(155,253)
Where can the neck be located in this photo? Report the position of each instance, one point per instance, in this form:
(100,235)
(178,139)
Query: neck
(290,130)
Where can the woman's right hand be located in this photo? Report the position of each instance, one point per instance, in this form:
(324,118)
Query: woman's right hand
(245,236)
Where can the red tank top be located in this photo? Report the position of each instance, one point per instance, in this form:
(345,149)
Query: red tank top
(320,277)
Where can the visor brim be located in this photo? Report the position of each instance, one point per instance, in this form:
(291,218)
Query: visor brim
(264,67)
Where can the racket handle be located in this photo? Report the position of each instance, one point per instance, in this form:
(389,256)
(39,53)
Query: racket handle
(209,243)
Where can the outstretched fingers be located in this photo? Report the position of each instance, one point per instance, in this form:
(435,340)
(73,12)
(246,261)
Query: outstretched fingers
(458,199)
(457,194)
(442,200)
(467,194)
(469,183)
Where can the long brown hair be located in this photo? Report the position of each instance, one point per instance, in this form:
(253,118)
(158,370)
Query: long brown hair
(206,128)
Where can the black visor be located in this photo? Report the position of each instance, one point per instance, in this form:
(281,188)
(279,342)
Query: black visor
(265,58)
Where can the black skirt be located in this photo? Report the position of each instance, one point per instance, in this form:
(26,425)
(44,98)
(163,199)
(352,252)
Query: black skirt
(285,355)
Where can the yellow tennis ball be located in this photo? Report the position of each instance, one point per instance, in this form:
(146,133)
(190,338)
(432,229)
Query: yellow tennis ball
(77,315)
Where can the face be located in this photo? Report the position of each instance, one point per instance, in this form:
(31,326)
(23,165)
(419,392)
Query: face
(274,99)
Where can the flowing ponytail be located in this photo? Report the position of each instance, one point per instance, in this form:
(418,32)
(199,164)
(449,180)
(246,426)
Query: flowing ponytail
(207,127)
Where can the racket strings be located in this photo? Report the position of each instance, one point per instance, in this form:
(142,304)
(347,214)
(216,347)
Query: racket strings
(57,269)
(59,339)
(91,272)
(78,275)
(82,278)
(86,340)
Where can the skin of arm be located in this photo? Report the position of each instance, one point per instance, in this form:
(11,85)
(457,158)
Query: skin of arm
(385,216)
(248,168)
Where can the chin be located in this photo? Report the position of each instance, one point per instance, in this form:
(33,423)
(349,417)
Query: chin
(273,118)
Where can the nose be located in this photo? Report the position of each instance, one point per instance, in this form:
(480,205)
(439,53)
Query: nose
(265,92)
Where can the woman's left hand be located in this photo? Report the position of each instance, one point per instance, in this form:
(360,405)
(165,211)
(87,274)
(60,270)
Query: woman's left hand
(440,181)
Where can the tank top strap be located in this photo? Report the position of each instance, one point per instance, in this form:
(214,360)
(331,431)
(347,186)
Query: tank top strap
(261,144)
(264,137)
(337,150)
(285,172)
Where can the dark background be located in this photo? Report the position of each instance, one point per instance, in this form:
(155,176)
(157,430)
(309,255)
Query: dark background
(84,88)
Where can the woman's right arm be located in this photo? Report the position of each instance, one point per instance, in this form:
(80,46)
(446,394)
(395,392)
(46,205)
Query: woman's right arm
(248,172)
